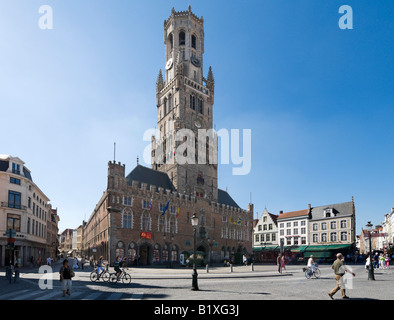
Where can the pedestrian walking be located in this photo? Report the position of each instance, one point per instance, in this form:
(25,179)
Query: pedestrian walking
(376,260)
(75,265)
(82,262)
(387,261)
(283,266)
(339,271)
(382,261)
(65,277)
(245,260)
(279,263)
(367,262)
(49,261)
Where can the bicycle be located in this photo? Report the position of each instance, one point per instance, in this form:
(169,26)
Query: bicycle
(124,276)
(104,275)
(309,272)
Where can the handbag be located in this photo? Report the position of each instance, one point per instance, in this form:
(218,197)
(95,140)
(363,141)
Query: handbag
(72,274)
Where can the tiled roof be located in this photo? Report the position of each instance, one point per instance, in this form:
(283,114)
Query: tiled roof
(150,177)
(225,198)
(293,214)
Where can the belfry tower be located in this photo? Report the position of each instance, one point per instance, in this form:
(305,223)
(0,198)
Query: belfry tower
(184,99)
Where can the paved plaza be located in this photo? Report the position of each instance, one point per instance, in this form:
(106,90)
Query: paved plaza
(263,283)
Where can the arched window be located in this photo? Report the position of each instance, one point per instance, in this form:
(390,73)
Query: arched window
(127,220)
(145,222)
(182,38)
(173,225)
(171,41)
(194,42)
(161,223)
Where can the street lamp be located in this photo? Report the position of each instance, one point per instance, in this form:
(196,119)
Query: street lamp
(371,275)
(194,282)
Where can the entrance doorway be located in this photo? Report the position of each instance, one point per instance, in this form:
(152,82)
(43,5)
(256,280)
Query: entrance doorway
(145,254)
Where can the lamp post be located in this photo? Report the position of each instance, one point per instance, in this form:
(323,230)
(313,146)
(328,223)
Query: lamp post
(371,275)
(195,224)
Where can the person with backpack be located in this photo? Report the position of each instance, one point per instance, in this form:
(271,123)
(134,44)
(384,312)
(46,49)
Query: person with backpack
(66,274)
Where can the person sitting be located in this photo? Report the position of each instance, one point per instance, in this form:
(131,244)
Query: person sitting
(117,264)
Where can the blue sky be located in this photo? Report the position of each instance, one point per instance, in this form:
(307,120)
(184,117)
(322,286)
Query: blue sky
(319,100)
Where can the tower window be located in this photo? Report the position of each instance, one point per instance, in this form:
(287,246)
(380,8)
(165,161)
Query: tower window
(171,41)
(194,42)
(182,38)
(201,106)
(192,102)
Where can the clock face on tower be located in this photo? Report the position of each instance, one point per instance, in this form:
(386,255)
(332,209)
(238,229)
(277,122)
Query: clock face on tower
(169,64)
(195,61)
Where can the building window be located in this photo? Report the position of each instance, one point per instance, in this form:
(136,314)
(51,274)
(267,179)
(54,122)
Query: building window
(270,226)
(194,42)
(145,222)
(15,181)
(259,228)
(257,238)
(127,220)
(295,224)
(324,226)
(16,168)
(288,232)
(267,237)
(201,106)
(288,242)
(145,204)
(303,223)
(262,238)
(343,224)
(344,236)
(224,219)
(333,225)
(282,225)
(14,199)
(29,202)
(303,230)
(265,219)
(324,237)
(288,225)
(28,225)
(127,201)
(192,102)
(327,213)
(173,226)
(333,236)
(14,222)
(224,232)
(182,38)
(296,241)
(314,227)
(273,237)
(265,227)
(303,240)
(282,232)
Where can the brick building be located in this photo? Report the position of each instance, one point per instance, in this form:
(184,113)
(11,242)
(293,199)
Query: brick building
(128,220)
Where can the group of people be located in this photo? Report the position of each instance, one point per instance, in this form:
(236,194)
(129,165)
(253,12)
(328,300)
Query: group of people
(378,261)
(281,263)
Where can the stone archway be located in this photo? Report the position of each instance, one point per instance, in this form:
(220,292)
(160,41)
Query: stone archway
(145,254)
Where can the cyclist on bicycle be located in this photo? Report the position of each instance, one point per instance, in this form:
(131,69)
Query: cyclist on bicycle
(311,264)
(100,267)
(117,265)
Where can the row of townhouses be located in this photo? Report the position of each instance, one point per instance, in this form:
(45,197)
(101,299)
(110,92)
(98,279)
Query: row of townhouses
(321,231)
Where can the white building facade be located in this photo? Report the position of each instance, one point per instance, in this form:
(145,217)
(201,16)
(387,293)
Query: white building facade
(24,208)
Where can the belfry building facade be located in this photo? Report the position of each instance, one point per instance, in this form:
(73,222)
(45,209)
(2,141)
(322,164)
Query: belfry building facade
(145,216)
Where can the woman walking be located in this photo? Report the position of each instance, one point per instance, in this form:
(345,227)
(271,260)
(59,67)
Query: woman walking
(65,277)
(387,261)
(284,263)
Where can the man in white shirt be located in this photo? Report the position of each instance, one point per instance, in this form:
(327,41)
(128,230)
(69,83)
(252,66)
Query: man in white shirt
(311,263)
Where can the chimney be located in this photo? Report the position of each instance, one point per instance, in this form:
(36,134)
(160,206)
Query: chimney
(309,206)
(392,210)
(280,212)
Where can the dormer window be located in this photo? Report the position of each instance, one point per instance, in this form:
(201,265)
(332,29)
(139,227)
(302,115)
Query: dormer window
(328,213)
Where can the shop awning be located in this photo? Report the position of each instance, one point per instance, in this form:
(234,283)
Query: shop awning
(266,249)
(298,249)
(339,247)
(317,248)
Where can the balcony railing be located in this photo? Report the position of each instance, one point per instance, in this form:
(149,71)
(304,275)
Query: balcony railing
(13,205)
